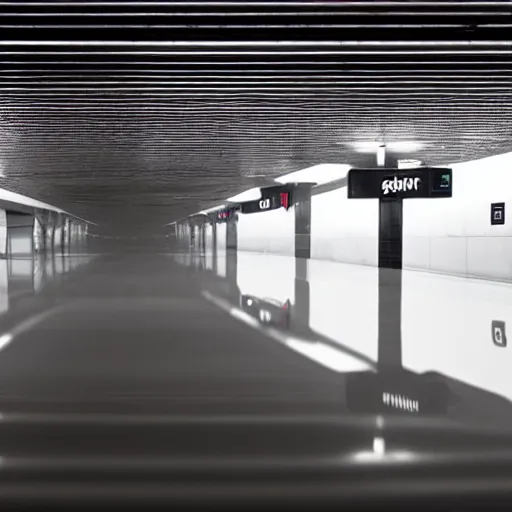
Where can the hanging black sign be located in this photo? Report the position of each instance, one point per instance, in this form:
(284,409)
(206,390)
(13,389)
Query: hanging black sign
(383,183)
(225,215)
(279,199)
(497,214)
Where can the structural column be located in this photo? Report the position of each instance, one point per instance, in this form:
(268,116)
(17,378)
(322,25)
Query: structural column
(302,200)
(390,274)
(214,247)
(232,254)
(3,234)
(66,234)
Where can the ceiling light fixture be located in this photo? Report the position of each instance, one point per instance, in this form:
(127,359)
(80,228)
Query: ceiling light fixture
(321,173)
(247,195)
(393,147)
(381,155)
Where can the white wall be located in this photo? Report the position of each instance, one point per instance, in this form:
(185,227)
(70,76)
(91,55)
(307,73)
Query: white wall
(344,230)
(20,240)
(451,236)
(455,235)
(268,232)
(447,328)
(344,304)
(266,276)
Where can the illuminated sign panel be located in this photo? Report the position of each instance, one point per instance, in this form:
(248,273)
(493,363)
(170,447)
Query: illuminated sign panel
(423,182)
(225,215)
(278,199)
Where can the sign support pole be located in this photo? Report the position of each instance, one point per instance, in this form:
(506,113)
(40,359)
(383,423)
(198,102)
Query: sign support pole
(232,253)
(391,186)
(390,275)
(390,282)
(301,308)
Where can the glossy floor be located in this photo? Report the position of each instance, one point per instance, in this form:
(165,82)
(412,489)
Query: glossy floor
(247,333)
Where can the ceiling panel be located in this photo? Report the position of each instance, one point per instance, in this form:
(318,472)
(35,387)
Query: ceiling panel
(135,114)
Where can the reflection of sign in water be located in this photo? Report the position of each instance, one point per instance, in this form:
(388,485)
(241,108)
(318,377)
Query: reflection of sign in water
(396,392)
(400,402)
(225,215)
(271,202)
(267,310)
(499,336)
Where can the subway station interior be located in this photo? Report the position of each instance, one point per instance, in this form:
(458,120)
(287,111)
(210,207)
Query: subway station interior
(255,252)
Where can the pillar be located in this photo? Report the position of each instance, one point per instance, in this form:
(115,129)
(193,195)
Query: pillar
(214,247)
(390,276)
(66,234)
(50,231)
(57,231)
(232,249)
(302,202)
(39,234)
(3,234)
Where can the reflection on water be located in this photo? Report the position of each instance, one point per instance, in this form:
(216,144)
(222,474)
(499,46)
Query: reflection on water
(441,350)
(26,276)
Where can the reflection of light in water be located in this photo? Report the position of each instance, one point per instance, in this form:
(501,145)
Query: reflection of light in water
(379,446)
(327,356)
(49,267)
(21,267)
(4,287)
(59,264)
(38,273)
(319,352)
(5,339)
(379,453)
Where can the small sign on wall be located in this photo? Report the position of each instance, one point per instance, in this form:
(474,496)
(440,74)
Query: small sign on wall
(499,336)
(497,213)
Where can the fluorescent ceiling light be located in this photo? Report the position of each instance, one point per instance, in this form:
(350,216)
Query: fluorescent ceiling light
(322,173)
(394,147)
(212,209)
(409,164)
(381,155)
(101,43)
(328,356)
(248,195)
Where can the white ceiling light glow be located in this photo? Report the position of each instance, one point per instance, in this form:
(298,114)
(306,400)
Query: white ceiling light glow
(212,209)
(409,164)
(381,155)
(248,195)
(393,147)
(322,173)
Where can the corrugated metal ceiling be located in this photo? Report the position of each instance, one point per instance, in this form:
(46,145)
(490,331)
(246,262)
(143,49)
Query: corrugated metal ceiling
(133,114)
